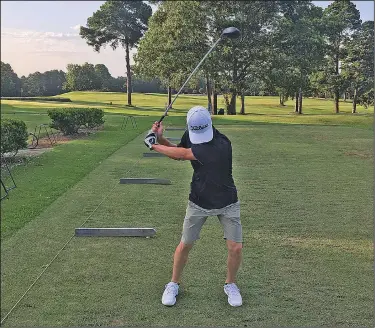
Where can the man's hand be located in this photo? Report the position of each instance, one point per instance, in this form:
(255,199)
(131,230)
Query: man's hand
(158,129)
(151,139)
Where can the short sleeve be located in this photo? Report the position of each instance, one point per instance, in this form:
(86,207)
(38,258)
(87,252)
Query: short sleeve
(184,143)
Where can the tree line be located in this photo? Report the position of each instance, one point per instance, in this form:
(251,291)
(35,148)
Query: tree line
(288,48)
(86,77)
(292,48)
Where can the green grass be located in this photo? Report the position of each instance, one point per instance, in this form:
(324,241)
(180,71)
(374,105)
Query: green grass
(306,195)
(307,236)
(258,109)
(47,177)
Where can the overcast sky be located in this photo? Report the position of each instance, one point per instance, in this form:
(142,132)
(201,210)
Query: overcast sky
(43,35)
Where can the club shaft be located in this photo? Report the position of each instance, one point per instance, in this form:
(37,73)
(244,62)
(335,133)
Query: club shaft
(188,79)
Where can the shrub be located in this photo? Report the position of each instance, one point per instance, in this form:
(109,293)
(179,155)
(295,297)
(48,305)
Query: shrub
(69,120)
(58,99)
(13,135)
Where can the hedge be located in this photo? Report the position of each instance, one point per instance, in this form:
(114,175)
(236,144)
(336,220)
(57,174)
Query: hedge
(13,135)
(70,120)
(58,99)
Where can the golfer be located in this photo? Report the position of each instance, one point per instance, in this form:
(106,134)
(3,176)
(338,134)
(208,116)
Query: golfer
(212,193)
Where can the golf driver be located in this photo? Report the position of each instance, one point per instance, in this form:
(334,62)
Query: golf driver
(229,32)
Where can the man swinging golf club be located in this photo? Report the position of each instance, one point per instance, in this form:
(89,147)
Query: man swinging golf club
(212,193)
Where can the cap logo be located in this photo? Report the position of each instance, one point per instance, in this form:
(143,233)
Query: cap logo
(198,127)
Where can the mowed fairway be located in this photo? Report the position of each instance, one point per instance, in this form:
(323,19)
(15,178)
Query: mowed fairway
(257,109)
(307,204)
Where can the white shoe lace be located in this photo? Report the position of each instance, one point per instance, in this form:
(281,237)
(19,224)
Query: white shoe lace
(233,289)
(170,289)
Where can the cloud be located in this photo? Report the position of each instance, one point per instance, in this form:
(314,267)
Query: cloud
(35,41)
(76,27)
(28,51)
(20,36)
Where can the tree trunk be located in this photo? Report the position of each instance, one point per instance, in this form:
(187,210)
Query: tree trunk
(282,99)
(296,106)
(354,109)
(344,96)
(242,103)
(209,93)
(337,109)
(337,93)
(128,76)
(214,101)
(169,95)
(300,101)
(232,104)
(227,102)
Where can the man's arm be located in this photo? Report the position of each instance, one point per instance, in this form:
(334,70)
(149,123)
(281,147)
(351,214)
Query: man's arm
(165,142)
(178,153)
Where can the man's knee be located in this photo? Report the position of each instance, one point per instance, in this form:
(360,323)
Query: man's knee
(182,247)
(234,248)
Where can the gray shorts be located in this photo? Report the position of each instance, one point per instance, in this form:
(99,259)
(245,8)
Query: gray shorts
(196,216)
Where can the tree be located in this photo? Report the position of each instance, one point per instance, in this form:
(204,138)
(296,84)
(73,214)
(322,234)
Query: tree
(358,65)
(280,76)
(118,84)
(181,32)
(341,19)
(147,86)
(103,76)
(10,83)
(233,60)
(53,82)
(81,78)
(173,45)
(49,83)
(34,85)
(118,23)
(297,48)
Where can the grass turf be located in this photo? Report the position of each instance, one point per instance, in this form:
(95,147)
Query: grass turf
(307,225)
(47,177)
(306,194)
(258,109)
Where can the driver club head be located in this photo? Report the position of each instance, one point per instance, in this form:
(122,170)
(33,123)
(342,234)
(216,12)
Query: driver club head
(231,32)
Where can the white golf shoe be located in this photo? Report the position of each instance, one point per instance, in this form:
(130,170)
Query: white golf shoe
(170,293)
(234,296)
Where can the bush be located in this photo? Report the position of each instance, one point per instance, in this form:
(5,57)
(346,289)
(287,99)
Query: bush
(13,135)
(69,120)
(58,99)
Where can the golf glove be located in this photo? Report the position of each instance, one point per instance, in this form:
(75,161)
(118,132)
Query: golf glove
(151,139)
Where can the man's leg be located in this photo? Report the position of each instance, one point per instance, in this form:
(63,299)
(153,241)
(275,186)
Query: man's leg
(193,223)
(230,219)
(233,261)
(180,258)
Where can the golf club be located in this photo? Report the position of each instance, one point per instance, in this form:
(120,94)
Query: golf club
(229,32)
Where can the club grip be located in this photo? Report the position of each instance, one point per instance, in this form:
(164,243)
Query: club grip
(162,118)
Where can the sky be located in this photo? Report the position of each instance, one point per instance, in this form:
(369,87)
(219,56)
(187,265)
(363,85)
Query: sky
(44,35)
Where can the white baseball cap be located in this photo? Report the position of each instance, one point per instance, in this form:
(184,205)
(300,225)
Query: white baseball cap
(199,125)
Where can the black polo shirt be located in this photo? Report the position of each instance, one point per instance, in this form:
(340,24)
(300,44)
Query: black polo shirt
(212,185)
